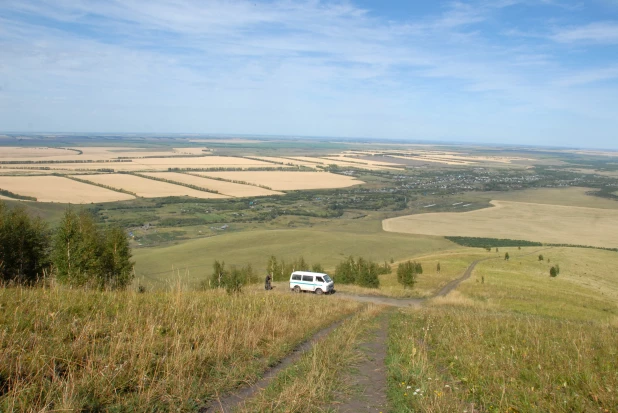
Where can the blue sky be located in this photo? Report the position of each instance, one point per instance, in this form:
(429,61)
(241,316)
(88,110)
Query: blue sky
(502,71)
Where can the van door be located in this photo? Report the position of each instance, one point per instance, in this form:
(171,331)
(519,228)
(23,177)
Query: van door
(308,284)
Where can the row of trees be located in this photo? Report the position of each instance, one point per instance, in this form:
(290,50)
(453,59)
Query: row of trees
(280,270)
(232,279)
(78,253)
(360,271)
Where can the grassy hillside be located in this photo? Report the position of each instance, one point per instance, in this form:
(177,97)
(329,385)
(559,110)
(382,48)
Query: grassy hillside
(327,246)
(586,289)
(461,358)
(89,351)
(513,339)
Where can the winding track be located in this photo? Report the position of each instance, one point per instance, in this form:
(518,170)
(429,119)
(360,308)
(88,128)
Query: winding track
(231,401)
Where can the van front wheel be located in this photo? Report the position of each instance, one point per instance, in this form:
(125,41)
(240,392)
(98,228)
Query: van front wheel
(296,289)
(318,291)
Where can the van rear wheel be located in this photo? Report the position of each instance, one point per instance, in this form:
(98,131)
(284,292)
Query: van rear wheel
(296,289)
(319,291)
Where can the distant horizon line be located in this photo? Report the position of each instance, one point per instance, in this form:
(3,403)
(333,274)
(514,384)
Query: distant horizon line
(265,136)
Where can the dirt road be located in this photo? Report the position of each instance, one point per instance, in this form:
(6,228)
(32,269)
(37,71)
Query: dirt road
(372,372)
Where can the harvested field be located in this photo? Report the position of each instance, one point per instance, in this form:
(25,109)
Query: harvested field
(25,172)
(325,162)
(432,159)
(288,181)
(162,164)
(21,154)
(517,220)
(225,188)
(58,189)
(573,196)
(8,153)
(286,161)
(203,162)
(362,163)
(147,188)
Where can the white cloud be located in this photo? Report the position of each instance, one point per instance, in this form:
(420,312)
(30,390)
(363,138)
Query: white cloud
(297,67)
(598,32)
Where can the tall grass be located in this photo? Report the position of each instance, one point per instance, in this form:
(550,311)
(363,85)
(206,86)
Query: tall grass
(74,349)
(453,358)
(311,383)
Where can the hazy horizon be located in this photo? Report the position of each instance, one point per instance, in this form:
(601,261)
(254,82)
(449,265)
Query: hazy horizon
(482,72)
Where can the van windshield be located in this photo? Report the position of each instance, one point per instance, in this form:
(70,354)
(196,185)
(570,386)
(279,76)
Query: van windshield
(327,278)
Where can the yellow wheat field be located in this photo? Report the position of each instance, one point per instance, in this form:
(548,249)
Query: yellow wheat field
(21,154)
(225,188)
(282,162)
(286,181)
(147,188)
(362,163)
(203,162)
(59,189)
(9,153)
(158,164)
(326,161)
(517,220)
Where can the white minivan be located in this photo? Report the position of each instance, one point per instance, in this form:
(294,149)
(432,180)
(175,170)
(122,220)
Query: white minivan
(316,282)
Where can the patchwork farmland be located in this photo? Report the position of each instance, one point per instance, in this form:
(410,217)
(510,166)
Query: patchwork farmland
(59,189)
(222,187)
(288,181)
(147,188)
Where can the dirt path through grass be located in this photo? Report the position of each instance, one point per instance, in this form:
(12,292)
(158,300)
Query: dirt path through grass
(371,377)
(417,302)
(368,378)
(228,403)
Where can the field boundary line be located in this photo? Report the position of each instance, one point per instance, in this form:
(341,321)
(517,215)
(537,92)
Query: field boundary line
(231,181)
(172,182)
(85,181)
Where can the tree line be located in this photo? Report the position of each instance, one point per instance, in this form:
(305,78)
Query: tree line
(77,253)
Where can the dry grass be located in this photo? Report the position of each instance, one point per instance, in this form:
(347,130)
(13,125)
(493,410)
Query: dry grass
(456,358)
(147,188)
(574,196)
(287,181)
(452,266)
(585,289)
(517,220)
(82,350)
(224,188)
(58,189)
(311,383)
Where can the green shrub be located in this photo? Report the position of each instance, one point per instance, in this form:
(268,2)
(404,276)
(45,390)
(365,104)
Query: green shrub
(24,246)
(407,272)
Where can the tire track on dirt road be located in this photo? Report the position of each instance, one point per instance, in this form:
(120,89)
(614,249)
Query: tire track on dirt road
(229,402)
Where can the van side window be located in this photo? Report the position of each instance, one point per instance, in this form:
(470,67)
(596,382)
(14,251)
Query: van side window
(308,278)
(319,279)
(296,277)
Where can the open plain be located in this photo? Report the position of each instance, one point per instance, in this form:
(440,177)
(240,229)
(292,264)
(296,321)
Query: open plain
(517,220)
